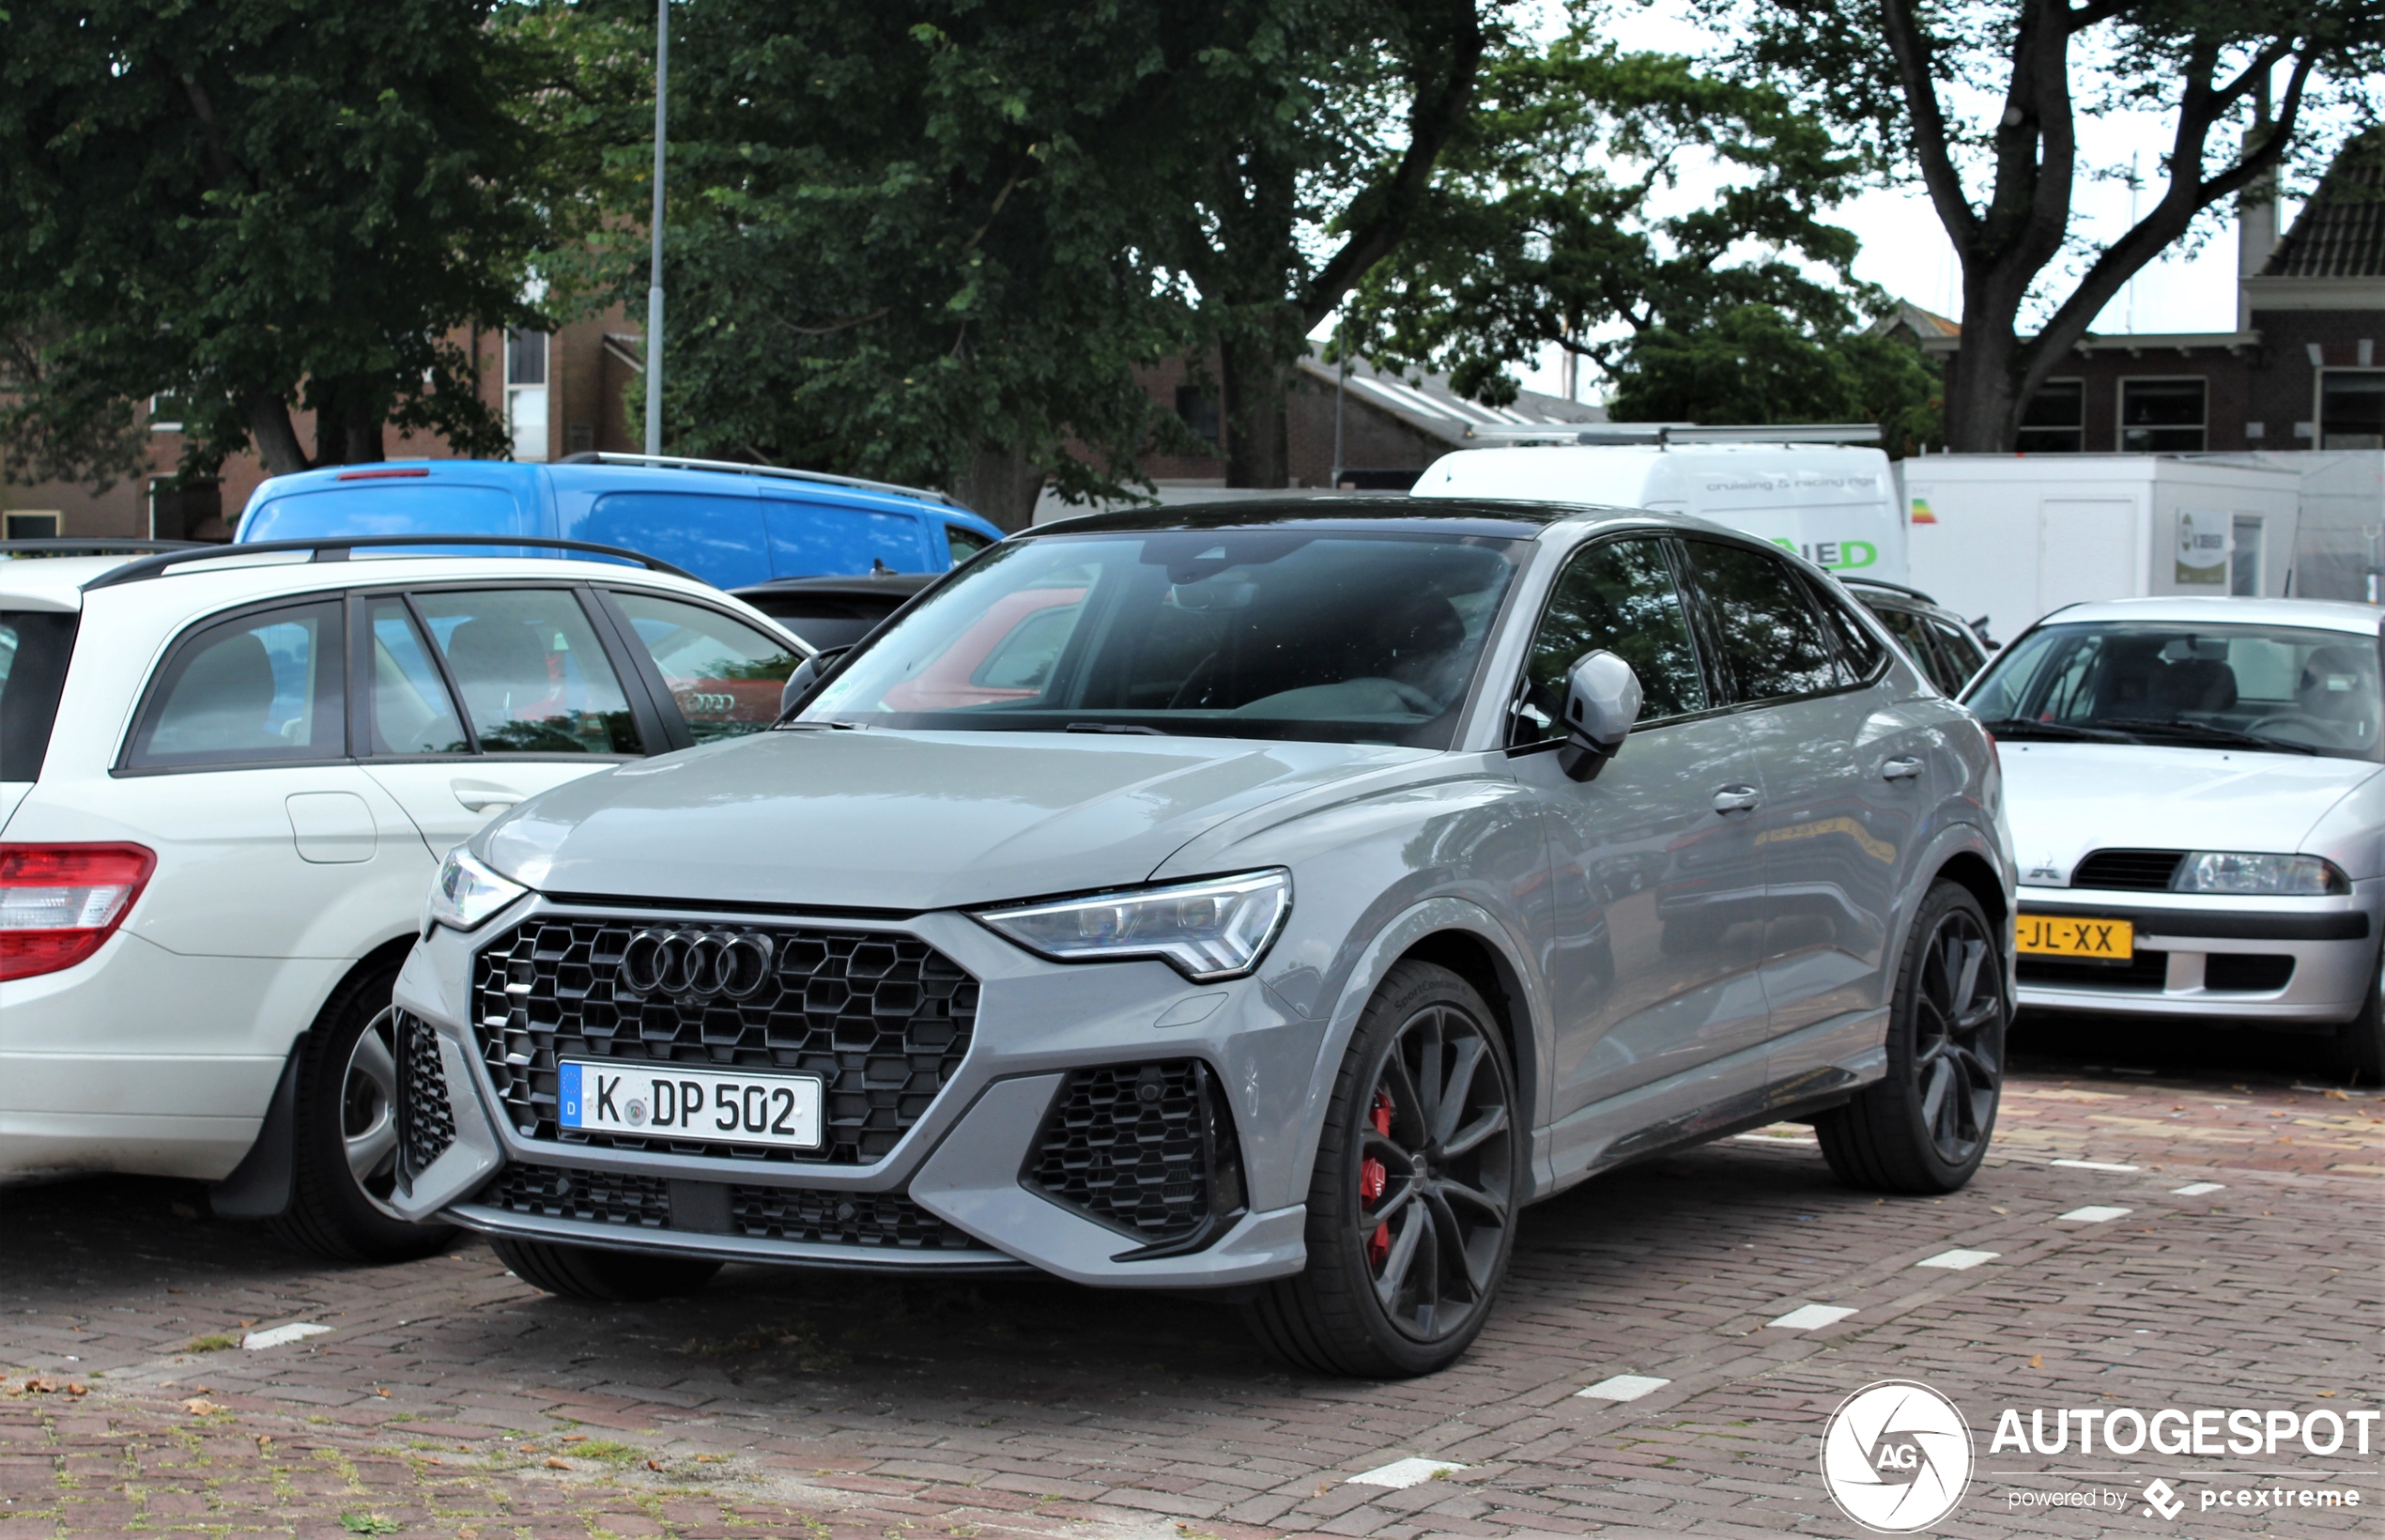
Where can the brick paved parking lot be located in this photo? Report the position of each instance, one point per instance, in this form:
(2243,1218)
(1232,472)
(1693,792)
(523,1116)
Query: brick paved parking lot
(445,1398)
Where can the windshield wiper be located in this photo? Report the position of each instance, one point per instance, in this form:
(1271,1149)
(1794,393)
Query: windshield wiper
(2205,734)
(1115,727)
(2022,727)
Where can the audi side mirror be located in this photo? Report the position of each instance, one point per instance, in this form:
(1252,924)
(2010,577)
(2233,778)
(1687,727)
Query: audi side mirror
(1602,701)
(808,673)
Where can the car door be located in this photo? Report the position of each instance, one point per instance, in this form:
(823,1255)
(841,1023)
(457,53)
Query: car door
(1656,884)
(270,842)
(1843,774)
(720,674)
(474,699)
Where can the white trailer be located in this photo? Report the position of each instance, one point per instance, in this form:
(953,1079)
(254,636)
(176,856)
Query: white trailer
(1835,505)
(2014,537)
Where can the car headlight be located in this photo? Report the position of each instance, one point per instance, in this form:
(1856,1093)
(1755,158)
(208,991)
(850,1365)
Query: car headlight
(466,893)
(2230,871)
(1215,928)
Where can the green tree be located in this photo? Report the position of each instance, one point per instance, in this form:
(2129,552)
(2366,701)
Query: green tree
(1896,77)
(263,205)
(1755,364)
(1542,229)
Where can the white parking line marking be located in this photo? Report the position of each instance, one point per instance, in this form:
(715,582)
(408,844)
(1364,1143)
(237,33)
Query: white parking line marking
(275,1336)
(1624,1387)
(1807,1317)
(2196,1189)
(1958,1259)
(2095,1213)
(2091,1165)
(1407,1473)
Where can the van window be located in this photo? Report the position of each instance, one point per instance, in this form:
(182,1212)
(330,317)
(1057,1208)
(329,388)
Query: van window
(264,689)
(718,538)
(823,540)
(34,649)
(533,676)
(389,507)
(965,542)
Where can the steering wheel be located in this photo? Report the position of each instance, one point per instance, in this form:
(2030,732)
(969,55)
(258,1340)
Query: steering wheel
(2297,723)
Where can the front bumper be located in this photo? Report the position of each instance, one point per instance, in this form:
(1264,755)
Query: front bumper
(951,1192)
(2306,962)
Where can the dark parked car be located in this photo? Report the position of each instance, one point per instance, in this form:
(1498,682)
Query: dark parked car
(1949,649)
(832,613)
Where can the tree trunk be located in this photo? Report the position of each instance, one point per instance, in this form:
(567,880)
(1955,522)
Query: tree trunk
(1982,418)
(1255,383)
(1000,484)
(277,442)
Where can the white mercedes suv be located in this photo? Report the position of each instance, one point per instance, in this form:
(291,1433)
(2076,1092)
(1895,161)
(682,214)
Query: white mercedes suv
(227,775)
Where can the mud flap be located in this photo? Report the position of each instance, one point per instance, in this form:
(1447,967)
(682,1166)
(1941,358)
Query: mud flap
(259,1186)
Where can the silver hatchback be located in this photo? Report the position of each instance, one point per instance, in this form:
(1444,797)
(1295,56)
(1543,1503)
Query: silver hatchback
(1270,898)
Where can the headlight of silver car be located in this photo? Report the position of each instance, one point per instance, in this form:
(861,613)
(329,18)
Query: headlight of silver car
(466,893)
(2228,872)
(1218,928)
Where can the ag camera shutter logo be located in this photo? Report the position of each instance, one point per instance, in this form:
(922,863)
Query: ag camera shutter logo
(1896,1456)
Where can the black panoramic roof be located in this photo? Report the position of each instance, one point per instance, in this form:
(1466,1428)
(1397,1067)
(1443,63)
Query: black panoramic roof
(1430,516)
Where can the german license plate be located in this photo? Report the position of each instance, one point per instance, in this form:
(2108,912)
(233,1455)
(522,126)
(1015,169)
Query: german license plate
(2082,936)
(672,1101)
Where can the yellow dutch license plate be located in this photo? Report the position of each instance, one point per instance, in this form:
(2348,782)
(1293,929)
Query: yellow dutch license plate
(2096,940)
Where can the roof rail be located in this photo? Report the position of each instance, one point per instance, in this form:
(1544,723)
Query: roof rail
(336,548)
(1893,588)
(609,456)
(1666,434)
(99,545)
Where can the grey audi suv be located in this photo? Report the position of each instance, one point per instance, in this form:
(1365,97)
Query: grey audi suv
(1270,898)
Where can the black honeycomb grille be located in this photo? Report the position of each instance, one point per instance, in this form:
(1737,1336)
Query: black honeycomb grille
(1147,1148)
(596,1197)
(2129,871)
(425,1123)
(883,1020)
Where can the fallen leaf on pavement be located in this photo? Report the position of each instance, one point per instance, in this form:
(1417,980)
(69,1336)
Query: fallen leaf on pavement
(2036,1361)
(654,1464)
(574,1438)
(555,1464)
(77,1388)
(199,1406)
(377,1391)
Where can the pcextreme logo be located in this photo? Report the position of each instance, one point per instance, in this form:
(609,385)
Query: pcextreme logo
(1896,1456)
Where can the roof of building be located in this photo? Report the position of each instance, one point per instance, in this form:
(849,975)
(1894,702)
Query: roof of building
(1428,404)
(2341,232)
(1918,323)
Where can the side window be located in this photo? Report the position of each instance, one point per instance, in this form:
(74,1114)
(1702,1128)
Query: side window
(265,689)
(724,674)
(1913,633)
(1962,655)
(1772,645)
(1618,596)
(966,542)
(34,649)
(412,712)
(533,677)
(1859,651)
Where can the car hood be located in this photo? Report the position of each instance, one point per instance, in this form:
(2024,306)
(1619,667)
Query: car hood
(908,821)
(2068,799)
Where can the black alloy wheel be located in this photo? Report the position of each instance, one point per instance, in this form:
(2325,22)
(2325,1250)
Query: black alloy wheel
(1412,1203)
(1925,1126)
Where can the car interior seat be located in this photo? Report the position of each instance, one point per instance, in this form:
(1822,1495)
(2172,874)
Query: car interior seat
(501,666)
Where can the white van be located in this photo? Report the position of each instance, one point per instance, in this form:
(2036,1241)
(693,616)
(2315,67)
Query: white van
(1833,504)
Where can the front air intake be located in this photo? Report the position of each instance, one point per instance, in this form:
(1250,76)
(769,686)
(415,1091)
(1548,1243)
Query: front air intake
(425,1123)
(1147,1149)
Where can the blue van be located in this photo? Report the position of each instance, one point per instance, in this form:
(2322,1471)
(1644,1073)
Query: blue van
(729,524)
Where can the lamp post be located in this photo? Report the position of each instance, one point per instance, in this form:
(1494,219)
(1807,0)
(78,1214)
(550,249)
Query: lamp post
(655,276)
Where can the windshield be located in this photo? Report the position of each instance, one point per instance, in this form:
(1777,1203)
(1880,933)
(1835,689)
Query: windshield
(2218,686)
(1366,637)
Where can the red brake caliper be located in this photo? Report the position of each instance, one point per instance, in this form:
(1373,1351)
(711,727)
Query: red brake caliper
(1372,1179)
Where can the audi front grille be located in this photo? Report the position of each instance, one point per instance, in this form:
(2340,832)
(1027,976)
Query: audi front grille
(879,1221)
(425,1123)
(882,1020)
(1147,1149)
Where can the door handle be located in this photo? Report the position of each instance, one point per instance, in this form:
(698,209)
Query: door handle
(1737,799)
(1903,767)
(482,799)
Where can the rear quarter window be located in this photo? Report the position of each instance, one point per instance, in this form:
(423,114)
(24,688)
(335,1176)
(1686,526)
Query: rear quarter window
(34,649)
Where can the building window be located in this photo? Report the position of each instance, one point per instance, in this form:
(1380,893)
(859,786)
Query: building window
(2056,420)
(526,393)
(2351,409)
(2162,416)
(1199,410)
(167,414)
(30,526)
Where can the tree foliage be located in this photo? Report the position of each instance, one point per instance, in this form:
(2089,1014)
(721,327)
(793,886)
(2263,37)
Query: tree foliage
(2243,82)
(268,205)
(1754,363)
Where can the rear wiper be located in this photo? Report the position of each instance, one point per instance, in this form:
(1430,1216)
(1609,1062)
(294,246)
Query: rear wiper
(2022,727)
(2207,733)
(1114,727)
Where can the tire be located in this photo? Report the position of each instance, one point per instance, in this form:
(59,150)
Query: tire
(2358,1048)
(584,1272)
(1386,1296)
(344,1141)
(1926,1126)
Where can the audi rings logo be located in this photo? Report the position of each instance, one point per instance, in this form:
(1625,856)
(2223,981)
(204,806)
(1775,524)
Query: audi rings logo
(696,964)
(1896,1456)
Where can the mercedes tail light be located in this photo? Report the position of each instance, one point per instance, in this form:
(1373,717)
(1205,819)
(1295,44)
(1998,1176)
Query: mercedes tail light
(59,902)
